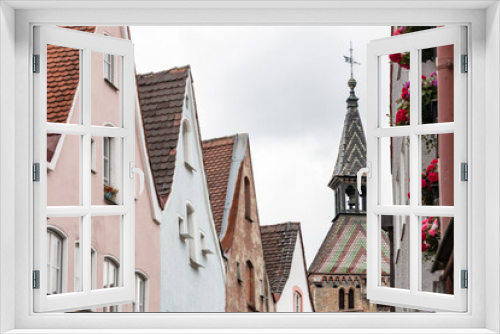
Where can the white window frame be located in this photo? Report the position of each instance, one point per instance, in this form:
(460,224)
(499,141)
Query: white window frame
(87,43)
(140,275)
(62,266)
(93,156)
(15,42)
(93,263)
(187,145)
(111,262)
(414,296)
(110,75)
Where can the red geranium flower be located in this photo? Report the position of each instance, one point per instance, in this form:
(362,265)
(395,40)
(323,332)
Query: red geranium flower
(396,57)
(431,168)
(423,183)
(433,177)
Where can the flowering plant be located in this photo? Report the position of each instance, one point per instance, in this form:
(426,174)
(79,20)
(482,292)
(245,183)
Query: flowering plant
(429,93)
(403,59)
(110,192)
(429,176)
(430,238)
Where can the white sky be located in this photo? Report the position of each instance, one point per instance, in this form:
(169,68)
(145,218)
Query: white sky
(284,86)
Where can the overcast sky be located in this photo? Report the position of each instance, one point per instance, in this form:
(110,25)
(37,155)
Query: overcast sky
(284,86)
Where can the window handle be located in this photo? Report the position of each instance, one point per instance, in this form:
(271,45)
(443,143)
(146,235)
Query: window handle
(365,170)
(135,170)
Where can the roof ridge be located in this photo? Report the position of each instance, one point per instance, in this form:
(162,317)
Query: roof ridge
(178,68)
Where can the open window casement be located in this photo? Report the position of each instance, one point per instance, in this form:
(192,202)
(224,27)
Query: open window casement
(430,128)
(70,196)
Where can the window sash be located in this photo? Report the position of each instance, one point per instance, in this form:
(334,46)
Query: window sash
(413,298)
(87,43)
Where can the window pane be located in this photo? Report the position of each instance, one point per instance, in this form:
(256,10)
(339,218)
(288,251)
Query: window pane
(107,181)
(63,172)
(437,86)
(394,170)
(394,90)
(63,78)
(436,272)
(62,234)
(106,239)
(395,244)
(437,175)
(106,90)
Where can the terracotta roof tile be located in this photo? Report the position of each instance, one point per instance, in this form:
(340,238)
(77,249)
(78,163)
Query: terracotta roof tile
(217,157)
(161,97)
(63,75)
(344,249)
(278,244)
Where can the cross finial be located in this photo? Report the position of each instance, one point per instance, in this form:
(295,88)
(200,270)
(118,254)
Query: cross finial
(350,59)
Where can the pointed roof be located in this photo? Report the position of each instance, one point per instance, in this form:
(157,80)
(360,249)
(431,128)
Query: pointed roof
(344,249)
(352,149)
(63,77)
(217,158)
(278,244)
(161,96)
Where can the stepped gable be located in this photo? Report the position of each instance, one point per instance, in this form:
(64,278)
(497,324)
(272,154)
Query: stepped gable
(344,249)
(217,158)
(161,96)
(278,243)
(63,76)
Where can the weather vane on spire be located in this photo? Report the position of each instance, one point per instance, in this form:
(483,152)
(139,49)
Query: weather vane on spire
(351,60)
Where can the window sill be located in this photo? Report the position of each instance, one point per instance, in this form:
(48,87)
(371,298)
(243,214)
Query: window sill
(189,167)
(113,85)
(254,331)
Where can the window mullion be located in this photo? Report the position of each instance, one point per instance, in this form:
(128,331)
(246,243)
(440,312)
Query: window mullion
(414,168)
(85,175)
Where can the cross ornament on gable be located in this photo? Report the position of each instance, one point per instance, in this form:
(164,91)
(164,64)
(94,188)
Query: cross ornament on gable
(351,60)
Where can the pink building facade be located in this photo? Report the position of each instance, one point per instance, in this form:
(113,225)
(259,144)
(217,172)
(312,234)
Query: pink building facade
(63,182)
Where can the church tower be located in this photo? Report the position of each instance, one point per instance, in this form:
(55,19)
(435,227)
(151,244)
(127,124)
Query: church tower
(337,276)
(351,157)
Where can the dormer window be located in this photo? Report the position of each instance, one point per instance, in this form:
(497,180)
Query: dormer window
(248,200)
(109,67)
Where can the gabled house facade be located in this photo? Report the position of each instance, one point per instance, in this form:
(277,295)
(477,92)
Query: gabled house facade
(231,186)
(63,233)
(286,267)
(192,268)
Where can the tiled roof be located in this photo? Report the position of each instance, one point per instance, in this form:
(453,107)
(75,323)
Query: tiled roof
(161,97)
(63,75)
(352,148)
(344,249)
(217,157)
(278,243)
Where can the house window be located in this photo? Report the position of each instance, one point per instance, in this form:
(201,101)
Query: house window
(194,256)
(93,159)
(54,262)
(77,270)
(110,279)
(187,145)
(106,160)
(250,285)
(351,299)
(109,67)
(139,304)
(238,272)
(341,299)
(248,200)
(297,302)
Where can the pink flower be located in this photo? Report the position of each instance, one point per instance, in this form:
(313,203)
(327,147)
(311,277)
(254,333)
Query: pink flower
(408,195)
(431,168)
(433,74)
(435,225)
(424,247)
(435,161)
(432,232)
(398,31)
(424,236)
(425,221)
(433,177)
(407,85)
(423,183)
(424,77)
(405,66)
(424,227)
(435,83)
